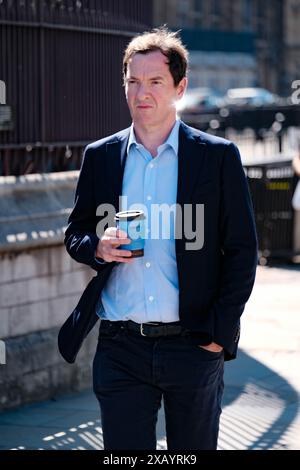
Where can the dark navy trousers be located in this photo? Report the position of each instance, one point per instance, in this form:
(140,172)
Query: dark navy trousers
(132,374)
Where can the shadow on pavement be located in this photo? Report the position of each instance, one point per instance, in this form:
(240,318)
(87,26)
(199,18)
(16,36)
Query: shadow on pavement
(260,406)
(259,409)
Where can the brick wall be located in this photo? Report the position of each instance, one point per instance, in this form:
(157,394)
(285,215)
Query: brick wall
(39,287)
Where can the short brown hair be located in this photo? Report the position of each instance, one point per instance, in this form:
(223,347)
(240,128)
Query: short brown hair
(165,41)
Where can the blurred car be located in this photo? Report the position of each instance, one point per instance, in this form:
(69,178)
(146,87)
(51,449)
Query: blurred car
(196,100)
(250,96)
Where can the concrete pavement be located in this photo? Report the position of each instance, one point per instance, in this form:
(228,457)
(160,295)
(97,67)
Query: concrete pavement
(261,401)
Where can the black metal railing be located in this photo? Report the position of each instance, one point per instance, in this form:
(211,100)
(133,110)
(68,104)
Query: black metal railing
(61,61)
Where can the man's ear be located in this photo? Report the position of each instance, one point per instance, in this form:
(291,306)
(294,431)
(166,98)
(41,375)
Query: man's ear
(181,87)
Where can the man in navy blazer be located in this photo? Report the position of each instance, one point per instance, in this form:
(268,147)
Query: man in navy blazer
(170,346)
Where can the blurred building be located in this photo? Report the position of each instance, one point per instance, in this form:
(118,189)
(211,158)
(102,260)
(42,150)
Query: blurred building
(237,43)
(291,43)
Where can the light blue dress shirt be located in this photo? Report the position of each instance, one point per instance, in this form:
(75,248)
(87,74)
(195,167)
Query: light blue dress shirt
(147,289)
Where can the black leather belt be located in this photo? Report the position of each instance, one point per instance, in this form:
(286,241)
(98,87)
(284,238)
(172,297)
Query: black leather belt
(150,329)
(155,329)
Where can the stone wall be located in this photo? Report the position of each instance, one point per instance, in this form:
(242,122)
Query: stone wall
(39,287)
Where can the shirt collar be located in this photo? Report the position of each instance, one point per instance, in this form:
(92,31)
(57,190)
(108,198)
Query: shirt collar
(172,139)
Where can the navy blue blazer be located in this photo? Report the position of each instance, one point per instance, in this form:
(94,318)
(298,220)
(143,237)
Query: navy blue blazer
(215,281)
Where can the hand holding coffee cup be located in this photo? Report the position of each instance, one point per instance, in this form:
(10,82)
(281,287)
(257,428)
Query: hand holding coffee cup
(110,241)
(132,222)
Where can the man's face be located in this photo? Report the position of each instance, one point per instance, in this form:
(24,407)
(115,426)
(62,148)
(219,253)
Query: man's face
(150,91)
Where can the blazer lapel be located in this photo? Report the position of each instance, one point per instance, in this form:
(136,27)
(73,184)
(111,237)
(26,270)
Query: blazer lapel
(116,154)
(191,152)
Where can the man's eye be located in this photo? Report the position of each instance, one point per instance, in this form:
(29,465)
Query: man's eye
(131,81)
(156,82)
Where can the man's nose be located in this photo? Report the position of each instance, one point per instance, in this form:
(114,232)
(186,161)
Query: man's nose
(142,91)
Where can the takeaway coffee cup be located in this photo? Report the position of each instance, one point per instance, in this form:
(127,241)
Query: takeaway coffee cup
(133,223)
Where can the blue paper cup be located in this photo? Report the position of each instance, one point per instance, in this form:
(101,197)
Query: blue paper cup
(133,223)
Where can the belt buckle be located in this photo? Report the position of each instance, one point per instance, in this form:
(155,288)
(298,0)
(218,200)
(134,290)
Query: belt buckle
(149,323)
(141,330)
